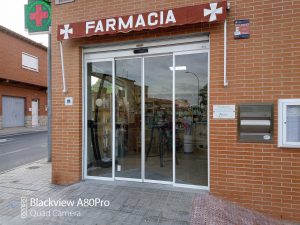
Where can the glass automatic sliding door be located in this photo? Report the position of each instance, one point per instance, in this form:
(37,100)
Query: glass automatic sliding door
(128,90)
(191,118)
(145,143)
(158,117)
(99,114)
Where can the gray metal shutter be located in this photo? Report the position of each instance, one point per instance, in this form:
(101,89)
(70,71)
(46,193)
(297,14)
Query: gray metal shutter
(13,111)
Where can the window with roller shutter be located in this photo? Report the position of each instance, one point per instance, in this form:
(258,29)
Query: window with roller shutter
(30,62)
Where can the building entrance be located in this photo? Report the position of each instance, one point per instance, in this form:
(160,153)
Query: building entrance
(146,116)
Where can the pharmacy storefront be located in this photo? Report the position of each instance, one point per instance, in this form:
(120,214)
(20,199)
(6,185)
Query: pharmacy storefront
(145,102)
(150,111)
(187,95)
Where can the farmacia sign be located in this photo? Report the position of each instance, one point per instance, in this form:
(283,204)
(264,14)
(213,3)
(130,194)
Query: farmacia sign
(121,24)
(210,12)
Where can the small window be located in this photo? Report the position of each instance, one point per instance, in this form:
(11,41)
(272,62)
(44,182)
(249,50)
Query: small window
(289,123)
(57,2)
(30,62)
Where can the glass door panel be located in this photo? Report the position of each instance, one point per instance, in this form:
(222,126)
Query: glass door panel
(128,118)
(158,117)
(191,118)
(99,114)
(293,123)
(191,94)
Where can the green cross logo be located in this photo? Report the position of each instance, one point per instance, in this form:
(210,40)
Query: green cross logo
(37,16)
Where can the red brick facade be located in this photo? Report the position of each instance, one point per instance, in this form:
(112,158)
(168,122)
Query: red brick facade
(263,68)
(16,81)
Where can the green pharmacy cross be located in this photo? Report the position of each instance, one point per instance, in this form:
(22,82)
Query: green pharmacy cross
(38,16)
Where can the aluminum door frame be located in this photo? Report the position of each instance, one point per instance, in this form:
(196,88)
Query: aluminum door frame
(142,152)
(180,49)
(85,133)
(208,119)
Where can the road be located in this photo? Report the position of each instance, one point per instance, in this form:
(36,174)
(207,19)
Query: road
(17,150)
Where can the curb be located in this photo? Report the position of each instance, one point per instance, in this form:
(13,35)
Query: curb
(27,164)
(21,133)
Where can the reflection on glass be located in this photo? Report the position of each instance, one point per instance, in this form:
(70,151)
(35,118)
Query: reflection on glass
(191,119)
(128,118)
(99,113)
(158,118)
(191,80)
(293,123)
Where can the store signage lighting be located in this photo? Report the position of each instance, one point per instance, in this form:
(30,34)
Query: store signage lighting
(37,17)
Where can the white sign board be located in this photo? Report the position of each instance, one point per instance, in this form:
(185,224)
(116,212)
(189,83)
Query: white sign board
(224,111)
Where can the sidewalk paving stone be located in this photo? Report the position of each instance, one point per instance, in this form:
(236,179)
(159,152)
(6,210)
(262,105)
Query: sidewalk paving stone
(130,203)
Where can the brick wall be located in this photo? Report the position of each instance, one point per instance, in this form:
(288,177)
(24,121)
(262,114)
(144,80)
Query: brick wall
(28,94)
(11,49)
(260,69)
(16,81)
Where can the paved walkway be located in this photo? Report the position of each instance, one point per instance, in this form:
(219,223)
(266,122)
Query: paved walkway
(20,130)
(129,203)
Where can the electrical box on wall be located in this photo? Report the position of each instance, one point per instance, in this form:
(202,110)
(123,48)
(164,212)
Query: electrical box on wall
(69,101)
(255,123)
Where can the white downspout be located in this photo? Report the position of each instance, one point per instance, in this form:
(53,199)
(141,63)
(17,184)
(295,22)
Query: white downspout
(225,54)
(63,68)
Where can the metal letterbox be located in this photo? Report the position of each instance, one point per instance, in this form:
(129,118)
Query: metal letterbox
(255,122)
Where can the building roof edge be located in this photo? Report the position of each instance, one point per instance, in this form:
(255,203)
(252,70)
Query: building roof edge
(21,37)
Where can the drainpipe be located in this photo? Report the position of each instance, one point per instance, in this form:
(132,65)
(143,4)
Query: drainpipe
(49,98)
(225,54)
(63,68)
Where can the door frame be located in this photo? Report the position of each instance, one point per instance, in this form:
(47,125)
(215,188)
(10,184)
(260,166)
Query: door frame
(142,118)
(208,124)
(37,101)
(85,117)
(144,124)
(181,46)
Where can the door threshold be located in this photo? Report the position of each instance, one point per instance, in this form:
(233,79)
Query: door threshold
(157,186)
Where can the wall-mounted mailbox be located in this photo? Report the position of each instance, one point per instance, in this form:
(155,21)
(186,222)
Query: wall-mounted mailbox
(255,123)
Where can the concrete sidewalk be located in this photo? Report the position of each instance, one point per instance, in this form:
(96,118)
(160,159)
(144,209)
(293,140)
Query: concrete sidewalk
(127,203)
(5,132)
